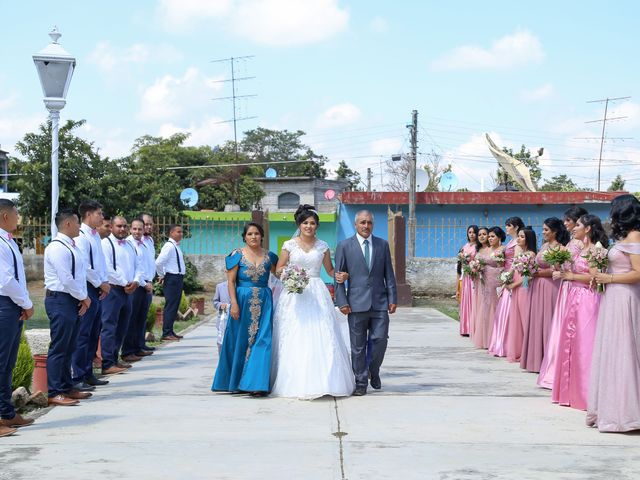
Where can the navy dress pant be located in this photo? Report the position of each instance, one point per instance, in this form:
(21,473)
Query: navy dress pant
(116,310)
(62,310)
(134,339)
(10,330)
(88,335)
(172,289)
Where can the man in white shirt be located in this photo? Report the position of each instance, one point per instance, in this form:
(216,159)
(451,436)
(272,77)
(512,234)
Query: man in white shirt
(171,268)
(147,238)
(88,242)
(125,275)
(133,347)
(15,308)
(66,300)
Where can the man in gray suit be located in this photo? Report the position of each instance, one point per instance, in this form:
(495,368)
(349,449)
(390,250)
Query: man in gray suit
(369,300)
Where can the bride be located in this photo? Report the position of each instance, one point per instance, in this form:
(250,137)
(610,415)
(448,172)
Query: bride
(310,356)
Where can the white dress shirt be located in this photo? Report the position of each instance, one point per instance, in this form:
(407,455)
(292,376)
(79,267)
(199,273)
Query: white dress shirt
(16,290)
(361,242)
(171,259)
(88,242)
(128,264)
(147,256)
(64,267)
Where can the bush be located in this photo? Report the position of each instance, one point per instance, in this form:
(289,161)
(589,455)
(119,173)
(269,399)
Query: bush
(23,370)
(151,317)
(191,283)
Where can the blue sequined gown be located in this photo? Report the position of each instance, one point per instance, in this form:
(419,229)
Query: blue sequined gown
(245,358)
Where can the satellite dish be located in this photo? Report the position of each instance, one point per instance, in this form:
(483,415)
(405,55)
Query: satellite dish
(422,180)
(189,197)
(271,173)
(330,194)
(448,182)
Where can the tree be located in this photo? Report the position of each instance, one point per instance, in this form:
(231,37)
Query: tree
(397,174)
(351,176)
(265,145)
(617,184)
(559,183)
(435,170)
(532,163)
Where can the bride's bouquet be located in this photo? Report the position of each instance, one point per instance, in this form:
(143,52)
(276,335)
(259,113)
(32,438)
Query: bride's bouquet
(598,258)
(294,278)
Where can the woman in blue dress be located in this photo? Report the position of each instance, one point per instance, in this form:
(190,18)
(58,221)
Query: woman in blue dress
(245,358)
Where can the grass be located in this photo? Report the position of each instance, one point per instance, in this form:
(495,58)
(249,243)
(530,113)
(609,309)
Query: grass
(446,305)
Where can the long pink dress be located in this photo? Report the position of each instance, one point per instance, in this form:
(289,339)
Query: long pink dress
(614,395)
(573,362)
(518,315)
(486,302)
(548,367)
(466,296)
(501,316)
(544,292)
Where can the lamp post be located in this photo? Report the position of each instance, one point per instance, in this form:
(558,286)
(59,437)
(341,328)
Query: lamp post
(55,68)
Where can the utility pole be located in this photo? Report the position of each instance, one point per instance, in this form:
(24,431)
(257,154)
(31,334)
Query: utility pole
(369,177)
(412,184)
(604,121)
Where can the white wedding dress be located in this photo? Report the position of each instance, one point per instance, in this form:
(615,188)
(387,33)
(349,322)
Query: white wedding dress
(310,355)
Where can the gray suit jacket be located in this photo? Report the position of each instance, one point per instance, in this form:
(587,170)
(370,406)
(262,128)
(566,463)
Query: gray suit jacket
(373,290)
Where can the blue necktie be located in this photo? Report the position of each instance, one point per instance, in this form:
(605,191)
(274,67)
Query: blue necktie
(367,254)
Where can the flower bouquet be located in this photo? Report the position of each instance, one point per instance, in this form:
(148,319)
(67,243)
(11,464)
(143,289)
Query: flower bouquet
(464,258)
(505,279)
(557,257)
(294,278)
(474,268)
(598,258)
(498,257)
(525,265)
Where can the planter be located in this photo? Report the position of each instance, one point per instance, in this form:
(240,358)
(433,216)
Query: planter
(159,317)
(198,304)
(39,380)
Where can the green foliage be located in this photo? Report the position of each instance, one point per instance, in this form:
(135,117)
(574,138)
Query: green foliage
(351,176)
(23,370)
(617,184)
(151,317)
(191,283)
(559,183)
(184,305)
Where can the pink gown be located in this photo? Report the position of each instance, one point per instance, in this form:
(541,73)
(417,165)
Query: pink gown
(486,303)
(573,361)
(614,395)
(501,316)
(544,292)
(466,296)
(548,367)
(518,316)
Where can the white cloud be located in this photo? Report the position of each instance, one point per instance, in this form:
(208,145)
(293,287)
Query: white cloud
(13,125)
(339,116)
(516,50)
(170,97)
(540,93)
(386,146)
(268,22)
(379,25)
(209,131)
(108,58)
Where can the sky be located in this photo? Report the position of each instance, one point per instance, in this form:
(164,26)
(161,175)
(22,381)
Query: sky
(348,73)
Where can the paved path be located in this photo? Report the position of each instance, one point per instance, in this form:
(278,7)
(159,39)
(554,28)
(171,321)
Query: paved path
(446,411)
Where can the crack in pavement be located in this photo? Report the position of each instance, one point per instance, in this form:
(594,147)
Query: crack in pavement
(339,434)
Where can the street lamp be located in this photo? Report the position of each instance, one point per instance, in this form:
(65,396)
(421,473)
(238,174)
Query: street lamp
(55,68)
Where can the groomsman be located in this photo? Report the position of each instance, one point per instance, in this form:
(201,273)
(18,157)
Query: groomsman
(66,300)
(125,276)
(134,346)
(88,242)
(151,246)
(171,269)
(15,308)
(104,230)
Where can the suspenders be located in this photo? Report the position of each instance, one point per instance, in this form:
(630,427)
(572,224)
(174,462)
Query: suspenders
(73,258)
(177,258)
(90,251)
(15,260)
(113,250)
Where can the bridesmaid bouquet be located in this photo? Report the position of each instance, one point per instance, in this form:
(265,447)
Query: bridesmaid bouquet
(474,268)
(525,265)
(498,257)
(598,258)
(505,279)
(465,258)
(294,278)
(557,257)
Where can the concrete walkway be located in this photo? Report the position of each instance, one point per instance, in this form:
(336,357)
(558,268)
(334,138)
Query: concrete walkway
(446,411)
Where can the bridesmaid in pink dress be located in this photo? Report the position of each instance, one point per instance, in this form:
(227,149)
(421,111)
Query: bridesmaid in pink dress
(573,362)
(466,296)
(486,297)
(501,316)
(548,367)
(478,283)
(614,394)
(544,292)
(519,314)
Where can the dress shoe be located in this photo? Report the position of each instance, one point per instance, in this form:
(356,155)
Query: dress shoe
(123,364)
(177,336)
(84,387)
(144,353)
(78,395)
(360,391)
(170,338)
(6,431)
(113,370)
(147,348)
(131,358)
(96,382)
(375,382)
(16,422)
(62,400)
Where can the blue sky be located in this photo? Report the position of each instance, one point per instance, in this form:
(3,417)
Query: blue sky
(346,72)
